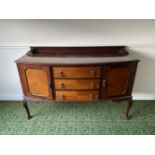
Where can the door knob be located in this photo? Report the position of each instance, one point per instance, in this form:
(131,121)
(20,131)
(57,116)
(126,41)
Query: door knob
(50,85)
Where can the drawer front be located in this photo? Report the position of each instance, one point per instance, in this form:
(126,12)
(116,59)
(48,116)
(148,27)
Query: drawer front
(76,72)
(77,84)
(77,95)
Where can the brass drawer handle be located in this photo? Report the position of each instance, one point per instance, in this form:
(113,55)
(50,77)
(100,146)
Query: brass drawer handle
(92,84)
(92,96)
(62,85)
(93,72)
(61,74)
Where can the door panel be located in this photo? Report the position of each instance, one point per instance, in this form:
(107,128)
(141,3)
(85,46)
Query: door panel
(35,81)
(117,79)
(38,82)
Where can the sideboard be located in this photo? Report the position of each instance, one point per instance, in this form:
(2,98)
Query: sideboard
(77,74)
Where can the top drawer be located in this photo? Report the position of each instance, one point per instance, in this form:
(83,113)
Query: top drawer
(76,72)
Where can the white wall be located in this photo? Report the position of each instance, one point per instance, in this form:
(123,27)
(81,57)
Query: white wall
(144,87)
(10,88)
(17,35)
(76,32)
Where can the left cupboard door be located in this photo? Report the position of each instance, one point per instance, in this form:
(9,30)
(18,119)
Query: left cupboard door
(36,81)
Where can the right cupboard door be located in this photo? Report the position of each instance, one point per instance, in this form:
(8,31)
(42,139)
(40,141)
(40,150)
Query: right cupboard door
(116,80)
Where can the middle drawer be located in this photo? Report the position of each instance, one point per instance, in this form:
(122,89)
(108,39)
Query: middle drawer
(80,84)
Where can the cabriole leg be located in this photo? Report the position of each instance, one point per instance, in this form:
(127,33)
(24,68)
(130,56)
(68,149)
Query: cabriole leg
(27,109)
(130,102)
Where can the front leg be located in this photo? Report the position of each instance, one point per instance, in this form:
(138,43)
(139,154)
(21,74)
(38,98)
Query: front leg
(26,108)
(130,102)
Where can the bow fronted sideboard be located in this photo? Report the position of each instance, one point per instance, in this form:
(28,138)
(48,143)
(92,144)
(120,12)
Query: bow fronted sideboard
(77,74)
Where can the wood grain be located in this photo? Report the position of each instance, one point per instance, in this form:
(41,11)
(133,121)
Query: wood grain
(37,82)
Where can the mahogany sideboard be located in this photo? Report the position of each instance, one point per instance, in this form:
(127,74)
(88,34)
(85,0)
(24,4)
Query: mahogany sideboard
(77,74)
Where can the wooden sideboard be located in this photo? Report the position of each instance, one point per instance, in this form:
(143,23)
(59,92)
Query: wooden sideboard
(77,74)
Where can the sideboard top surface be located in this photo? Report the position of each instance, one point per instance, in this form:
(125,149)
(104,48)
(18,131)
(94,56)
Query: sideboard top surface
(76,55)
(73,60)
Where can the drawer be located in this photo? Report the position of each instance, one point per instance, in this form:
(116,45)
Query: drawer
(76,72)
(77,84)
(77,95)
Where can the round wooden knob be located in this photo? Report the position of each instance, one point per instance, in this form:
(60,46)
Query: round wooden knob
(92,84)
(92,72)
(63,97)
(62,85)
(61,74)
(92,96)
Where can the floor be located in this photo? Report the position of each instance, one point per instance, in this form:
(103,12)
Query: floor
(103,118)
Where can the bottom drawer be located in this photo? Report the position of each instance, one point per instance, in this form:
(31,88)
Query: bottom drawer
(77,95)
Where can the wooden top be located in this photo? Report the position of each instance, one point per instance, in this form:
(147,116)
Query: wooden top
(76,55)
(73,60)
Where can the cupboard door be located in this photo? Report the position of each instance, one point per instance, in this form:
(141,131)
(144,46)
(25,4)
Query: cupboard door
(117,80)
(35,81)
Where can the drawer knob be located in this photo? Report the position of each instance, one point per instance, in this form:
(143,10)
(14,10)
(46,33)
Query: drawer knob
(61,74)
(63,97)
(92,72)
(92,85)
(62,85)
(92,96)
